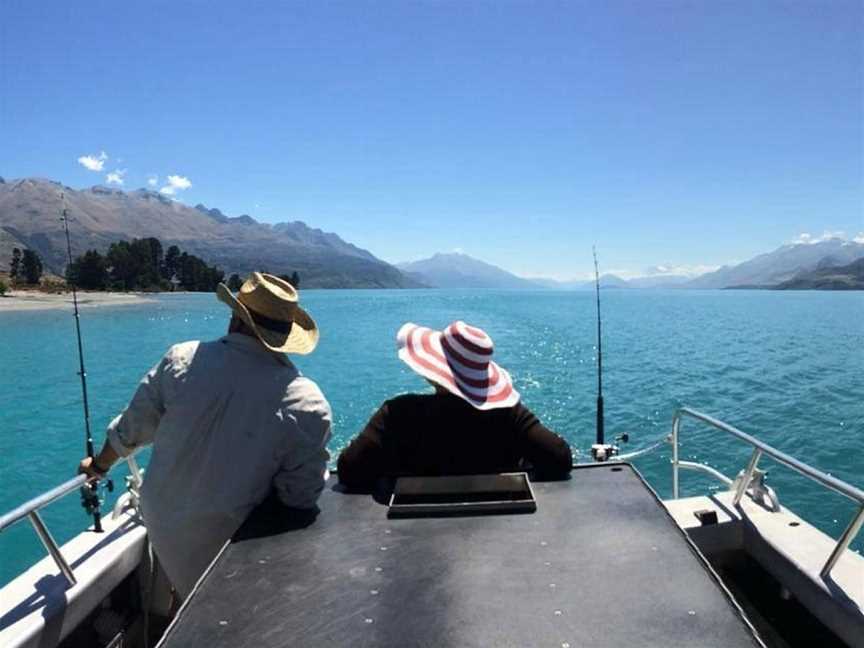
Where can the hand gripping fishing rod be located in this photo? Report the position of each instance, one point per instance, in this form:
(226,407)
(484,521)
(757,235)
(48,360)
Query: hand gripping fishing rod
(89,494)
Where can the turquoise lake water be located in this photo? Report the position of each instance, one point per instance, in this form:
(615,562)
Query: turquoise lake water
(787,367)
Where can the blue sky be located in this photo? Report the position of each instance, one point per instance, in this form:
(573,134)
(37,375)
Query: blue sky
(668,133)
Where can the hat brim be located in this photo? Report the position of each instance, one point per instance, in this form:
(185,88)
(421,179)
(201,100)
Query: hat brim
(302,339)
(431,364)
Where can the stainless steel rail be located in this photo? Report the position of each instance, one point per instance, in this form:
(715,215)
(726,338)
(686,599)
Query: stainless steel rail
(41,501)
(30,509)
(760,449)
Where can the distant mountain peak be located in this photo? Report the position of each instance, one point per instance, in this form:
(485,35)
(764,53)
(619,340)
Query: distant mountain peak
(213,213)
(458,270)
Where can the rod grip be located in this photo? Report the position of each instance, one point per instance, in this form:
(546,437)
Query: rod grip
(601,431)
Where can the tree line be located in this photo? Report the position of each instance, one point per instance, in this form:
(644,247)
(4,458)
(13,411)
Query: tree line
(234,281)
(136,265)
(25,267)
(142,265)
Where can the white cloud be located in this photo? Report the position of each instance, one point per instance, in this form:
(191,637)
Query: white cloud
(805,238)
(175,183)
(115,177)
(93,162)
(859,238)
(152,180)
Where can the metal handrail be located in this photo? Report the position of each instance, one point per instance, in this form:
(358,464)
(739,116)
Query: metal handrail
(759,449)
(41,501)
(30,509)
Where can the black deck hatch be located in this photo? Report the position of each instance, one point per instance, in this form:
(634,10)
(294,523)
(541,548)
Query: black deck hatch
(462,495)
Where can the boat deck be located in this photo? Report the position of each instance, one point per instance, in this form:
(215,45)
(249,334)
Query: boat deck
(600,563)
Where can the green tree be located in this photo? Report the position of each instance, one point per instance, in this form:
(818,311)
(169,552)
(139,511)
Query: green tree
(31,267)
(194,274)
(293,278)
(148,262)
(15,265)
(234,282)
(89,271)
(123,269)
(3,288)
(170,264)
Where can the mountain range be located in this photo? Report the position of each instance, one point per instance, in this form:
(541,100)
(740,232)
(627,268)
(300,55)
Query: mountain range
(783,264)
(789,263)
(458,270)
(30,217)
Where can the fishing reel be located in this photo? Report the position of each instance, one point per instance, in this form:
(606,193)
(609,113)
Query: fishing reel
(93,495)
(606,451)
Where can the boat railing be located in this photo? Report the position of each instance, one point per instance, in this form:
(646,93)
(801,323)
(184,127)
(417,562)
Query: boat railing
(30,509)
(744,481)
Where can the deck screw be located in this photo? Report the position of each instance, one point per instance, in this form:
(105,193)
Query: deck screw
(223,623)
(691,612)
(368,620)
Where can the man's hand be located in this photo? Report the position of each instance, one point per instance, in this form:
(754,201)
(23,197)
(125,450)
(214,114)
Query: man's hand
(87,467)
(99,465)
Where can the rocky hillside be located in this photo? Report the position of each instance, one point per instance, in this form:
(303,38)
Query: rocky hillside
(828,277)
(781,265)
(29,217)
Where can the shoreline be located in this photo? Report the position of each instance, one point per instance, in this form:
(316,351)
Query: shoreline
(27,300)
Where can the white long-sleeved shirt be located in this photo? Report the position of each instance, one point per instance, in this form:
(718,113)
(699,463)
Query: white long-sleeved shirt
(228,420)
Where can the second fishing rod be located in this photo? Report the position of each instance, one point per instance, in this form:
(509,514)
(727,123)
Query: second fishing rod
(89,493)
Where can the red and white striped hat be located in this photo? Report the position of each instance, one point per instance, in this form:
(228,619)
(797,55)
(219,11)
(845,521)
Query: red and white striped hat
(459,358)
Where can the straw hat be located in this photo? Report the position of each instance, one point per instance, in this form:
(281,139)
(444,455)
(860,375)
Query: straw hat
(268,305)
(459,358)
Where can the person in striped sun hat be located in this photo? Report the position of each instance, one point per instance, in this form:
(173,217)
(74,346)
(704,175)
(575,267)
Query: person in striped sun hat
(473,423)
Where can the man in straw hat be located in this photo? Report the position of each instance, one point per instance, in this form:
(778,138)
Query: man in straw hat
(473,423)
(229,420)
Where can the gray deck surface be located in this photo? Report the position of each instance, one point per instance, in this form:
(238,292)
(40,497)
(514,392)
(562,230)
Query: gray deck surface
(599,564)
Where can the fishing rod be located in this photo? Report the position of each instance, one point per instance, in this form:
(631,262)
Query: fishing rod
(601,431)
(89,494)
(602,451)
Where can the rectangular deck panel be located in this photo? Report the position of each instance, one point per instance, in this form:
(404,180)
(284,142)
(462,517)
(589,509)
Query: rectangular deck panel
(600,563)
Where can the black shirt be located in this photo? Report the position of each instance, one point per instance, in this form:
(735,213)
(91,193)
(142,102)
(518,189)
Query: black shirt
(441,434)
